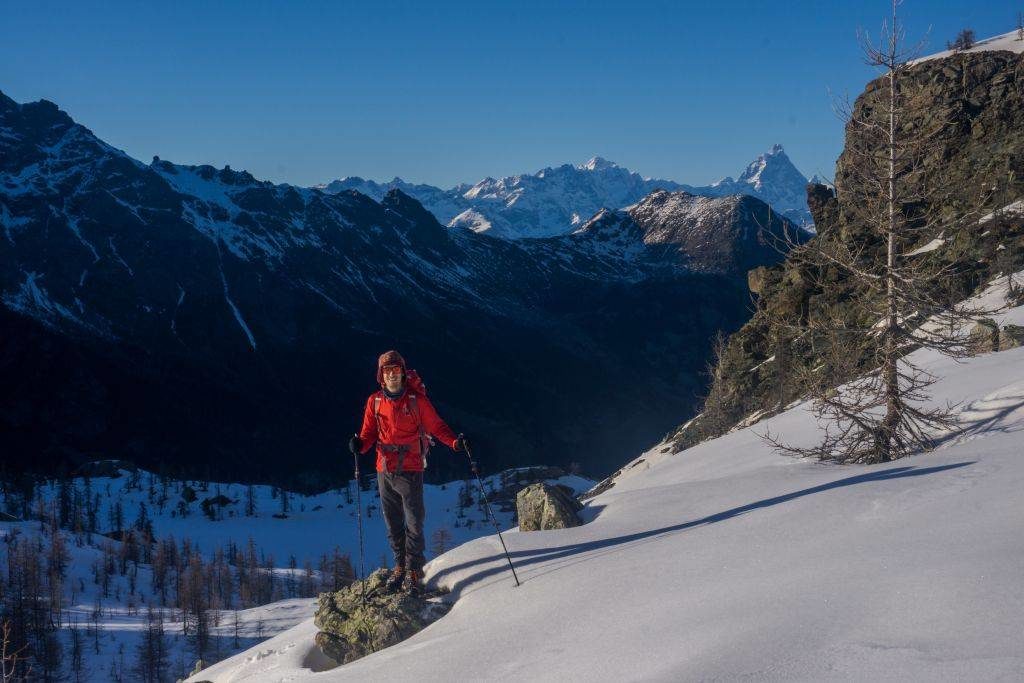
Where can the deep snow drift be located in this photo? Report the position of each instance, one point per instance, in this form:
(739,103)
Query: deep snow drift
(730,561)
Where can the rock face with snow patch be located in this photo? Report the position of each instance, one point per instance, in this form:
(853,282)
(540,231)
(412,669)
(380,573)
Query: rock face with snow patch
(351,628)
(540,507)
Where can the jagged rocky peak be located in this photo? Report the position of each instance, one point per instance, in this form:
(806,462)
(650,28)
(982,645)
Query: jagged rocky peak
(35,129)
(37,115)
(608,225)
(226,175)
(402,203)
(772,167)
(663,213)
(597,164)
(413,211)
(728,235)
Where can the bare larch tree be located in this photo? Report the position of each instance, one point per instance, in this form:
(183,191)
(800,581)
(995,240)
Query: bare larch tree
(898,298)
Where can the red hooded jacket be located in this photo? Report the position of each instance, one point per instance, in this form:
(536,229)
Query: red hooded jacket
(394,428)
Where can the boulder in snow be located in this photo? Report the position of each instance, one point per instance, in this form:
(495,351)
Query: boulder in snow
(1010,337)
(351,629)
(542,506)
(984,337)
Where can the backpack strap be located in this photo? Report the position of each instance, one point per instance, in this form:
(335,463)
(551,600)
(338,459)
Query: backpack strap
(424,439)
(376,411)
(387,448)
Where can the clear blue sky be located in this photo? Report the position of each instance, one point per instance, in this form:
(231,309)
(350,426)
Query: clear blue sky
(447,92)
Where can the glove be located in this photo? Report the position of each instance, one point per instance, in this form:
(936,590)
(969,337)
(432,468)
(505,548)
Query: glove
(461,443)
(355,444)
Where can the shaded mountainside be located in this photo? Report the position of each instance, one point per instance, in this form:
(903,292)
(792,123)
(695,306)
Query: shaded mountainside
(980,154)
(198,319)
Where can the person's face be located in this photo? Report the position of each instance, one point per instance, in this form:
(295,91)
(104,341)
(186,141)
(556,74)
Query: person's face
(392,377)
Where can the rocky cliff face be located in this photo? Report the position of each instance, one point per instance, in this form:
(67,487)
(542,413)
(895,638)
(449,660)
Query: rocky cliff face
(201,320)
(978,160)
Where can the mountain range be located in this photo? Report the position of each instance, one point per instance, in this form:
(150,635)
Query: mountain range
(193,318)
(556,201)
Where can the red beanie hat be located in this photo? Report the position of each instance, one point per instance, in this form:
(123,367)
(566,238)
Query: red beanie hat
(388,358)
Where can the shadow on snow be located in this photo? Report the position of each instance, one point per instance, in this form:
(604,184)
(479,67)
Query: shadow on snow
(525,558)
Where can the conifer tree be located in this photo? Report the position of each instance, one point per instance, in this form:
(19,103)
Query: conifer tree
(151,654)
(76,645)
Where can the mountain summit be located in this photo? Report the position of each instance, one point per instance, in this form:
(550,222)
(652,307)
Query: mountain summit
(773,178)
(597,164)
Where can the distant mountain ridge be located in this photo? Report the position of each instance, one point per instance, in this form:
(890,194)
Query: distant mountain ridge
(558,200)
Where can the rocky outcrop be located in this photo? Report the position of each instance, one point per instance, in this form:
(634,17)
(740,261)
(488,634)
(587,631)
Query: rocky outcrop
(513,481)
(976,103)
(824,208)
(541,507)
(1010,337)
(351,627)
(984,337)
(987,337)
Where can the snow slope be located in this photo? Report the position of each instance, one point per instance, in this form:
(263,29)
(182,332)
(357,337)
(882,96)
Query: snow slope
(1006,41)
(727,561)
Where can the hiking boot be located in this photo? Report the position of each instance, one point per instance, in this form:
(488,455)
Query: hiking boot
(395,578)
(413,584)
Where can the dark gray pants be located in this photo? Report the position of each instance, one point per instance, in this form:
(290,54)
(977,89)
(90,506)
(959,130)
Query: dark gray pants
(401,503)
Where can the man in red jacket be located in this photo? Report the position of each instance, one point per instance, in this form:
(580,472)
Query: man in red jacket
(400,420)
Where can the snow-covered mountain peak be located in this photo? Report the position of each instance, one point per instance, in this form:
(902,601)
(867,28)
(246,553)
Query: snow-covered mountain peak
(597,164)
(773,165)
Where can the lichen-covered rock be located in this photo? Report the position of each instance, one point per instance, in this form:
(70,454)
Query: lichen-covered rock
(756,278)
(351,628)
(1010,337)
(542,506)
(984,337)
(824,208)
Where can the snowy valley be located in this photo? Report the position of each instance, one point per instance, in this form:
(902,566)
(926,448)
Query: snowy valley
(127,575)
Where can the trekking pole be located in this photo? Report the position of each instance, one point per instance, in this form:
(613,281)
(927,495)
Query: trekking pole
(487,505)
(359,506)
